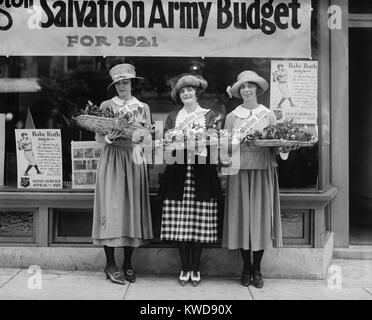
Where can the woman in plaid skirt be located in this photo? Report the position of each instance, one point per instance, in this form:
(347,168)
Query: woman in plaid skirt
(190,191)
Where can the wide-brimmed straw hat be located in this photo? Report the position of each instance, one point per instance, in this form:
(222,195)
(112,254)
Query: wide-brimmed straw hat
(187,80)
(247,76)
(122,72)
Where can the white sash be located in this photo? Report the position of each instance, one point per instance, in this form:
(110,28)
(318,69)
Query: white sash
(130,106)
(253,121)
(191,118)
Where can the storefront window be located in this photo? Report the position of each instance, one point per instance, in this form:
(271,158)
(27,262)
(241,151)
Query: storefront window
(66,84)
(55,88)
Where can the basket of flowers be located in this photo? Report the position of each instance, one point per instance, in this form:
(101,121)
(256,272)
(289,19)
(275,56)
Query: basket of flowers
(94,119)
(281,135)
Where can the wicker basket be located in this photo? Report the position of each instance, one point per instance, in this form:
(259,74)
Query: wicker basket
(281,143)
(105,125)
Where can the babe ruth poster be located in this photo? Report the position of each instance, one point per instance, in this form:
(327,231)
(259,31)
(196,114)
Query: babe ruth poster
(39,158)
(294,93)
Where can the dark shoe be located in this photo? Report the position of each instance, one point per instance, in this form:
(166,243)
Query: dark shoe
(257,280)
(130,275)
(195,278)
(184,277)
(115,277)
(245,279)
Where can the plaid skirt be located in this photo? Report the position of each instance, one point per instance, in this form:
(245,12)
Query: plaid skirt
(189,220)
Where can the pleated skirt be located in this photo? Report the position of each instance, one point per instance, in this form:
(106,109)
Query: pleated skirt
(122,213)
(252,211)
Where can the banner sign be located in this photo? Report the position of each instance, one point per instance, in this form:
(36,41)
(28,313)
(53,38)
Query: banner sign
(294,90)
(85,156)
(39,158)
(218,28)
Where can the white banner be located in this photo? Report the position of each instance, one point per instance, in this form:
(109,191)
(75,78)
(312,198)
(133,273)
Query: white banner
(39,158)
(218,28)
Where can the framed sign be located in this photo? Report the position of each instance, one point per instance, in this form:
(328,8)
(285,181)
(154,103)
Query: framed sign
(85,156)
(39,158)
(294,91)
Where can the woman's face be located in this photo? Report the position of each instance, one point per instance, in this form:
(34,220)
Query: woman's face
(123,87)
(188,95)
(248,90)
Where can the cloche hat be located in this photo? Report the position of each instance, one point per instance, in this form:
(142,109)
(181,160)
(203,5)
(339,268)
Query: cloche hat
(121,72)
(187,80)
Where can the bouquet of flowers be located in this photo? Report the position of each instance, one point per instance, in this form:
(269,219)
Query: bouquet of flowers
(94,119)
(194,135)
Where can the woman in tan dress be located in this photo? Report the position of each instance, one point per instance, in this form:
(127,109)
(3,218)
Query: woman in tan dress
(122,216)
(252,207)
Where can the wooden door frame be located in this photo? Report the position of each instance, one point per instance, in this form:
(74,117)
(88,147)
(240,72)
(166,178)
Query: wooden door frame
(339,66)
(339,100)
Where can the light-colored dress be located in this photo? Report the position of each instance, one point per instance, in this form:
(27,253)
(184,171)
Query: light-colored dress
(252,206)
(122,213)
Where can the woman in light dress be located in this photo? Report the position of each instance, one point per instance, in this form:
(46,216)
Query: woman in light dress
(122,215)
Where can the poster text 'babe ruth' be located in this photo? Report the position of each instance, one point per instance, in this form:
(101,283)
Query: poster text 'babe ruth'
(39,158)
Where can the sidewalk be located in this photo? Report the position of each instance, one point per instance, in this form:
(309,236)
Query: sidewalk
(356,276)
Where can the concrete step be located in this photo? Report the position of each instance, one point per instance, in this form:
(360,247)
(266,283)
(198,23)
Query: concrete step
(283,263)
(353,252)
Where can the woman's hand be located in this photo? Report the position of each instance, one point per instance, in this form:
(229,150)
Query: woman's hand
(284,151)
(99,131)
(114,134)
(289,148)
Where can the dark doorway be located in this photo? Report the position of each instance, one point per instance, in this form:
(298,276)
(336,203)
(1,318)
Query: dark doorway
(360,139)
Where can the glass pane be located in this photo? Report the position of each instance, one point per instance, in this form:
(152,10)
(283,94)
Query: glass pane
(63,94)
(14,223)
(360,6)
(360,136)
(293,225)
(67,83)
(300,170)
(74,223)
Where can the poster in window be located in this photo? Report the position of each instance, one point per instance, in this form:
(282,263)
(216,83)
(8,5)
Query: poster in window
(294,91)
(39,158)
(85,156)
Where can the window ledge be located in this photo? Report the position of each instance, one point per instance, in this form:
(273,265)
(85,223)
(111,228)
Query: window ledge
(317,198)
